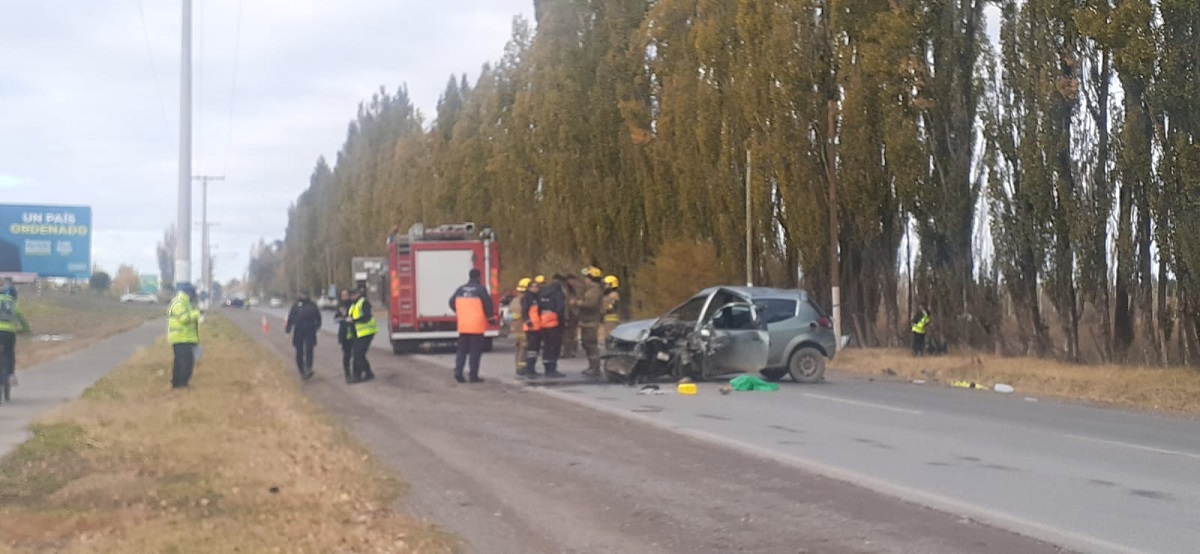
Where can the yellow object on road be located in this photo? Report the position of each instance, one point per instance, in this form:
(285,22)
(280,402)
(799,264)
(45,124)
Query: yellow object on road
(687,389)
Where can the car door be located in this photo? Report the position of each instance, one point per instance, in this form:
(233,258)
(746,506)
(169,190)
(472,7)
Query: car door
(736,340)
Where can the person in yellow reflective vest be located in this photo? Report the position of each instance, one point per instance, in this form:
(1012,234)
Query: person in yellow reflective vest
(612,304)
(920,326)
(183,332)
(516,309)
(12,322)
(364,333)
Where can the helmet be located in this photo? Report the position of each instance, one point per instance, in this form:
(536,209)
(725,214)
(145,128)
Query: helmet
(612,282)
(523,284)
(592,272)
(540,279)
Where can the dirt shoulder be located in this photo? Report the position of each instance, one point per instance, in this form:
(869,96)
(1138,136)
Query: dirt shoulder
(76,320)
(514,471)
(241,461)
(1161,389)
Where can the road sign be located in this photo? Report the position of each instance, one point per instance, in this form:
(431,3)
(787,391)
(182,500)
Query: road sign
(149,284)
(49,241)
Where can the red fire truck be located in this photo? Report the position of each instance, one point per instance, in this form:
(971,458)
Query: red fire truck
(425,267)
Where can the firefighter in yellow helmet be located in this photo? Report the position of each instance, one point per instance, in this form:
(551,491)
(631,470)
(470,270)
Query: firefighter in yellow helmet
(612,303)
(591,316)
(516,307)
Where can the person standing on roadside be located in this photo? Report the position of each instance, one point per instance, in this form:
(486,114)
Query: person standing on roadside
(364,333)
(552,306)
(590,306)
(12,322)
(183,332)
(345,333)
(472,306)
(516,307)
(920,326)
(303,322)
(612,306)
(532,325)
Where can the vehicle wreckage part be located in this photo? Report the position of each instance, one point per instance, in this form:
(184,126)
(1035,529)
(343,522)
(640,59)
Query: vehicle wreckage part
(807,365)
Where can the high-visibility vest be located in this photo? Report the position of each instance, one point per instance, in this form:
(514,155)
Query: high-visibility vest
(183,321)
(366,328)
(8,313)
(919,326)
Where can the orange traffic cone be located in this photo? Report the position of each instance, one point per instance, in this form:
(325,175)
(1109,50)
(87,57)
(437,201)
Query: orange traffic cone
(266,327)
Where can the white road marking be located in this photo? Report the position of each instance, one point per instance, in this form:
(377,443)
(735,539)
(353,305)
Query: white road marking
(1143,448)
(864,404)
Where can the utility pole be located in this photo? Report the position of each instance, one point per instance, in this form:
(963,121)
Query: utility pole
(205,273)
(183,243)
(835,258)
(749,234)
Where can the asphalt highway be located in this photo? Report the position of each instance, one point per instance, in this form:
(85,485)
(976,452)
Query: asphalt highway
(1086,478)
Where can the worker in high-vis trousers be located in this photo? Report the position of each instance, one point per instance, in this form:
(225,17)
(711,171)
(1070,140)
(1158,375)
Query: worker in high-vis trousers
(612,306)
(472,305)
(364,334)
(12,322)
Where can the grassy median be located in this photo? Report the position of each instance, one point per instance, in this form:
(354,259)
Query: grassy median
(1162,389)
(241,462)
(80,319)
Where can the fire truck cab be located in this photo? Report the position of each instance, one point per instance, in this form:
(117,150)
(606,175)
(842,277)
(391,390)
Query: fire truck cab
(426,266)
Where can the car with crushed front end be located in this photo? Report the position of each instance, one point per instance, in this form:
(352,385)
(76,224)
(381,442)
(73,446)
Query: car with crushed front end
(723,331)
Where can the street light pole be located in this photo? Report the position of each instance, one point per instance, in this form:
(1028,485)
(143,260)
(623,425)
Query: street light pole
(749,234)
(183,243)
(834,256)
(205,277)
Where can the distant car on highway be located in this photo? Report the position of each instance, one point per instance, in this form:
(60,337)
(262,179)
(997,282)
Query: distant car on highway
(139,298)
(235,303)
(276,302)
(725,330)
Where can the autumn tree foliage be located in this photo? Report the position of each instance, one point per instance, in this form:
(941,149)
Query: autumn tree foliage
(1046,181)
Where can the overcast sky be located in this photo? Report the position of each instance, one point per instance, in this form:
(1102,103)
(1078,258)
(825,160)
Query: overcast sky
(89,103)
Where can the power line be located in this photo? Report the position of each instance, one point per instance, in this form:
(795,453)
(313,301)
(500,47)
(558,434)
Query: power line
(162,103)
(237,48)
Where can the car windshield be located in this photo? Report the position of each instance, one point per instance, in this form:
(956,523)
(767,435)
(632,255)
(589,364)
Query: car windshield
(775,309)
(690,310)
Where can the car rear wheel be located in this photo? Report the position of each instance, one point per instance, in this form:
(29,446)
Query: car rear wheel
(807,365)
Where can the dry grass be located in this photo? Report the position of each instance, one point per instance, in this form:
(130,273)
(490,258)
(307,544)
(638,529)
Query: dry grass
(1171,389)
(241,462)
(87,318)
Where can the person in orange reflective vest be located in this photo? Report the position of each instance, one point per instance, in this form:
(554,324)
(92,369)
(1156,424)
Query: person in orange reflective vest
(531,314)
(473,306)
(551,310)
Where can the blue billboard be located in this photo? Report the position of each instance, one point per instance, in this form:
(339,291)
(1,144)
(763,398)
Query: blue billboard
(49,241)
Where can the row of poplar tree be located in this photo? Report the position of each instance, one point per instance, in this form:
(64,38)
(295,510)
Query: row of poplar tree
(1062,137)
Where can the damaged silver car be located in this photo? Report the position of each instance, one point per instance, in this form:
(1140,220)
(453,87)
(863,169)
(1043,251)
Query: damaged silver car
(723,331)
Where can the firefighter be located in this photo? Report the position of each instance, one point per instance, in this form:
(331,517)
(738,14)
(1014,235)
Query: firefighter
(345,333)
(472,306)
(303,323)
(920,326)
(12,322)
(365,328)
(612,301)
(571,291)
(516,307)
(590,305)
(532,325)
(552,306)
(183,332)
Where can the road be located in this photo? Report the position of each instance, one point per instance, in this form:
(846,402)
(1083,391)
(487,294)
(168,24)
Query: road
(1090,479)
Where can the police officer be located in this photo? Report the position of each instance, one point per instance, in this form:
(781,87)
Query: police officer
(516,307)
(551,311)
(183,332)
(12,321)
(472,306)
(303,321)
(920,326)
(612,305)
(364,333)
(345,333)
(590,306)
